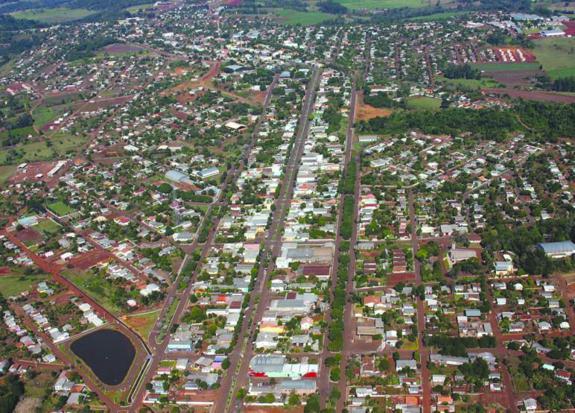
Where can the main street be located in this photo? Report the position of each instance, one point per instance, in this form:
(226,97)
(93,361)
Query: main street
(241,356)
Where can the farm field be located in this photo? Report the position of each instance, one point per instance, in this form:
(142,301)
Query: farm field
(423,103)
(438,16)
(384,4)
(294,17)
(53,16)
(557,56)
(12,285)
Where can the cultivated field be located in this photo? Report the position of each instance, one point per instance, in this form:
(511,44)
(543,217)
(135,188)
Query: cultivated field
(385,4)
(557,56)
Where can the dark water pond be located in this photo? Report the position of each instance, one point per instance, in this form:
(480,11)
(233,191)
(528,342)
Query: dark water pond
(108,353)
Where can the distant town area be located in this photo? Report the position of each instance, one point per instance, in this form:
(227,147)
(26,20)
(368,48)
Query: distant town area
(300,206)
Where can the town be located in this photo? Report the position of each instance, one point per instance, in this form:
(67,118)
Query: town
(247,207)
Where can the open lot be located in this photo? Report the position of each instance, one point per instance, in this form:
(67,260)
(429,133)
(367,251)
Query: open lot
(143,322)
(423,103)
(557,56)
(53,16)
(12,285)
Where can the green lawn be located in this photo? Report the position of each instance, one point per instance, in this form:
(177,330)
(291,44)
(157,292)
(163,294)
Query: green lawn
(503,67)
(385,4)
(60,208)
(53,16)
(557,56)
(12,285)
(423,103)
(293,17)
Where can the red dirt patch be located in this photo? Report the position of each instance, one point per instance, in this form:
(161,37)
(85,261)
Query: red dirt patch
(367,112)
(122,48)
(533,95)
(28,235)
(89,259)
(512,78)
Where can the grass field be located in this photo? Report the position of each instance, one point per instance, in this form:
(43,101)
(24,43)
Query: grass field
(47,226)
(423,103)
(470,83)
(438,16)
(557,56)
(40,151)
(12,285)
(96,287)
(6,172)
(143,323)
(293,17)
(505,67)
(385,4)
(43,115)
(60,208)
(53,16)
(140,7)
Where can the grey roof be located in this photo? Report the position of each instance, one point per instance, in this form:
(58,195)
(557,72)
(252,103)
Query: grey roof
(557,247)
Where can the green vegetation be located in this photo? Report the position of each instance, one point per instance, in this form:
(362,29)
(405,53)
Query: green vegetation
(47,226)
(470,83)
(96,287)
(60,208)
(557,56)
(53,16)
(6,172)
(461,72)
(141,7)
(290,16)
(13,285)
(54,147)
(10,391)
(439,16)
(423,103)
(549,120)
(382,4)
(43,115)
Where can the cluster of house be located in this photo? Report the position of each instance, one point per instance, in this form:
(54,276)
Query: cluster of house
(57,334)
(544,310)
(24,337)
